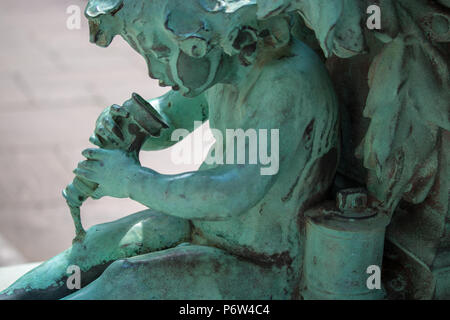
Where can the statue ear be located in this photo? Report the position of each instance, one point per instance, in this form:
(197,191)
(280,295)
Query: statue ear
(190,33)
(238,39)
(275,32)
(242,41)
(194,46)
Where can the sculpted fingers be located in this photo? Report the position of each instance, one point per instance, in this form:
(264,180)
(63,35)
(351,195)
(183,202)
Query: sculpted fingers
(98,193)
(94,139)
(113,129)
(118,111)
(91,165)
(86,187)
(101,135)
(95,154)
(105,135)
(84,174)
(108,130)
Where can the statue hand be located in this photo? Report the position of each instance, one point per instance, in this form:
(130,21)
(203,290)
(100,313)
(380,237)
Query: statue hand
(108,132)
(112,170)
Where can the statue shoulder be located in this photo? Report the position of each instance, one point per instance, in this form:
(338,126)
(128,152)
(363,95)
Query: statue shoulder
(298,72)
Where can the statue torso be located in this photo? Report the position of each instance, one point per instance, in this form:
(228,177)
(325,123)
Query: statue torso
(273,98)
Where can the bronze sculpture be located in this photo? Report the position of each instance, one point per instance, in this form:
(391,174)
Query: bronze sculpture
(227,231)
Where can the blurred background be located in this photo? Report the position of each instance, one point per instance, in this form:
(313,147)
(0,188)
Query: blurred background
(53,86)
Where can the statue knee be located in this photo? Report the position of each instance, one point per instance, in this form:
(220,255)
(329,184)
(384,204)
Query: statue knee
(156,232)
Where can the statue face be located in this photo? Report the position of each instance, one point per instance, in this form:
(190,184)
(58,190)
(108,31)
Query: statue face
(152,28)
(167,61)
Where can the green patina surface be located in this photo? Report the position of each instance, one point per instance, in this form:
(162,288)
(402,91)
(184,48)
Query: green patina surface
(226,231)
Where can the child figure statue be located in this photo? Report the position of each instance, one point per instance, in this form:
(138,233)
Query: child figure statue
(226,231)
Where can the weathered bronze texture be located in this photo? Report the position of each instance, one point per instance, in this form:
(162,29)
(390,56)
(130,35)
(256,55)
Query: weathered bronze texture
(363,117)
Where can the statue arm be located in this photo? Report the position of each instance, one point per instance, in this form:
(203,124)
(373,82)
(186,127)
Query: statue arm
(221,192)
(211,190)
(227,191)
(178,112)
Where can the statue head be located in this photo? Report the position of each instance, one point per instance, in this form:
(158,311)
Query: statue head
(188,44)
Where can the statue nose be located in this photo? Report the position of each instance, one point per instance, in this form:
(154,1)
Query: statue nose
(99,36)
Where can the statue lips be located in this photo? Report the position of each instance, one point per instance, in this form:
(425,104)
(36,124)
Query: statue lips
(175,87)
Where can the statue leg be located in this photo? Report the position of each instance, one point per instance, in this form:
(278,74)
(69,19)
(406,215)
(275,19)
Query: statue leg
(188,272)
(140,233)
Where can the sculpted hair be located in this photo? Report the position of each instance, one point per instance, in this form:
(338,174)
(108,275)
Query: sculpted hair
(201,25)
(232,25)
